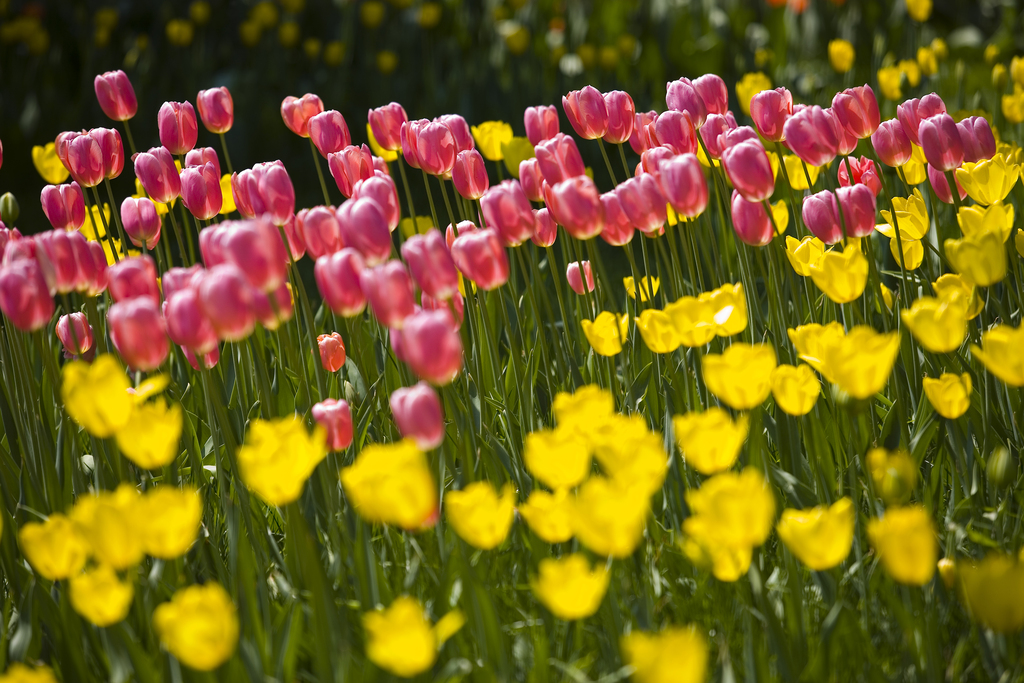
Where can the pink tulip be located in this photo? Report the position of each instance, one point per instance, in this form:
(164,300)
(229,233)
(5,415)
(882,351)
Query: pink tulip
(187,324)
(58,259)
(335,417)
(431,346)
(364,227)
(770,110)
(856,109)
(92,268)
(683,184)
(643,202)
(85,160)
(751,221)
(418,415)
(480,256)
(575,204)
(332,351)
(621,115)
(380,166)
(891,143)
(858,205)
(210,359)
(175,280)
(574,275)
(651,160)
(296,247)
(713,92)
(912,112)
(429,303)
(734,136)
(381,189)
(319,230)
(435,148)
(470,175)
(211,244)
(111,150)
(811,134)
(156,171)
(541,123)
(713,129)
(216,109)
(349,166)
(460,131)
(431,264)
(683,97)
(176,122)
(116,95)
(749,170)
(388,289)
(941,185)
(864,173)
(141,221)
(941,142)
(978,140)
(198,156)
(297,111)
(275,308)
(559,159)
(64,206)
(200,191)
(409,137)
(847,141)
(530,178)
(7,236)
(139,333)
(507,210)
(460,228)
(133,278)
(618,229)
(329,132)
(587,112)
(821,216)
(337,277)
(75,333)
(24,296)
(276,192)
(256,247)
(545,230)
(675,130)
(226,299)
(386,124)
(638,139)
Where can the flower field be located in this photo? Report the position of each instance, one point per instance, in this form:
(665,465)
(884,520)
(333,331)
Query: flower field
(740,401)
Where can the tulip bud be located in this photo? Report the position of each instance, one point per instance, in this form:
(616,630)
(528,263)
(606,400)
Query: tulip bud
(618,229)
(216,109)
(941,143)
(460,131)
(364,227)
(856,110)
(912,112)
(336,418)
(507,210)
(621,116)
(337,277)
(712,130)
(559,159)
(199,156)
(349,166)
(978,140)
(470,174)
(141,221)
(6,237)
(587,112)
(332,351)
(682,96)
(531,179)
(734,136)
(858,205)
(435,148)
(751,221)
(675,130)
(770,109)
(847,141)
(749,170)
(116,95)
(575,204)
(545,230)
(297,111)
(388,289)
(713,92)
(864,173)
(93,269)
(329,132)
(1001,469)
(386,125)
(111,150)
(431,265)
(156,171)
(941,185)
(200,191)
(139,333)
(75,333)
(410,134)
(210,359)
(574,275)
(381,189)
(133,278)
(683,184)
(9,209)
(56,256)
(461,228)
(85,160)
(431,345)
(319,230)
(652,159)
(176,122)
(638,139)
(273,309)
(187,324)
(256,247)
(418,415)
(277,193)
(811,134)
(226,299)
(541,123)
(64,206)
(891,143)
(296,247)
(821,216)
(480,256)
(24,295)
(643,202)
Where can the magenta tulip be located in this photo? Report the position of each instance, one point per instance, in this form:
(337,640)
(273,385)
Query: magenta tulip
(75,333)
(751,222)
(349,166)
(364,227)
(941,143)
(335,417)
(116,95)
(64,206)
(587,112)
(470,175)
(329,132)
(297,111)
(431,346)
(388,289)
(621,115)
(821,216)
(198,156)
(226,299)
(770,110)
(24,296)
(912,112)
(507,210)
(381,189)
(386,125)
(418,415)
(643,202)
(141,221)
(431,264)
(682,96)
(216,109)
(749,170)
(541,123)
(891,143)
(977,138)
(337,277)
(200,191)
(575,204)
(811,134)
(480,256)
(156,171)
(856,110)
(176,122)
(713,92)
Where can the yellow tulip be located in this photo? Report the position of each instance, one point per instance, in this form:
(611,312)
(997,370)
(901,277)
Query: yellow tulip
(100,597)
(803,253)
(1013,105)
(796,389)
(392,484)
(741,375)
(811,340)
(913,252)
(1002,353)
(820,537)
(729,308)
(911,70)
(948,572)
(939,325)
(549,515)
(912,216)
(915,172)
(629,453)
(479,516)
(842,276)
(979,258)
(48,164)
(889,78)
(940,48)
(96,395)
(95,218)
(861,361)
(927,61)
(919,10)
(988,181)
(905,542)
(199,626)
(385,154)
(658,331)
(605,333)
(171,519)
(750,85)
(559,458)
(228,204)
(795,171)
(20,673)
(993,591)
(152,436)
(999,76)
(840,55)
(1018,241)
(1017,70)
(489,137)
(950,394)
(609,517)
(514,152)
(780,214)
(648,287)
(55,548)
(112,524)
(583,407)
(693,319)
(278,456)
(676,655)
(710,441)
(949,285)
(975,220)
(401,640)
(886,296)
(569,588)
(894,473)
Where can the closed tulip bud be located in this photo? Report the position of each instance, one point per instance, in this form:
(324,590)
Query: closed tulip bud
(133,278)
(651,160)
(941,185)
(941,143)
(187,323)
(643,202)
(418,415)
(337,277)
(714,126)
(891,143)
(335,417)
(461,228)
(856,109)
(577,276)
(332,351)
(226,298)
(116,95)
(319,230)
(847,141)
(139,333)
(821,216)
(297,111)
(541,123)
(200,156)
(64,206)
(912,112)
(431,265)
(141,221)
(559,159)
(94,270)
(531,179)
(576,205)
(276,193)
(364,227)
(621,115)
(349,166)
(638,139)
(507,210)
(431,346)
(56,256)
(751,221)
(713,92)
(770,109)
(683,184)
(381,189)
(749,170)
(111,150)
(24,295)
(811,134)
(682,96)
(460,131)
(156,171)
(176,122)
(210,359)
(75,333)
(676,131)
(618,229)
(858,205)
(410,137)
(386,125)
(9,209)
(978,140)
(864,173)
(470,175)
(388,289)
(85,160)
(587,112)
(480,256)
(545,230)
(256,247)
(216,109)
(329,132)
(200,191)
(436,148)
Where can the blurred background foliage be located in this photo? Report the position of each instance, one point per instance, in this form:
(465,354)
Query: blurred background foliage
(484,59)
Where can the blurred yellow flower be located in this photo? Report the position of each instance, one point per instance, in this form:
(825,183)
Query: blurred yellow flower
(894,474)
(609,517)
(1018,242)
(152,435)
(658,331)
(1017,70)
(250,32)
(886,296)
(559,458)
(948,572)
(979,258)
(988,181)
(629,453)
(171,518)
(549,515)
(904,539)
(606,333)
(278,456)
(334,53)
(199,626)
(911,70)
(750,85)
(796,389)
(20,673)
(479,516)
(861,361)
(977,219)
(991,53)
(889,78)
(811,341)
(1002,353)
(371,13)
(927,61)
(993,591)
(111,523)
(401,640)
(583,408)
(1013,105)
(514,152)
(568,587)
(915,172)
(676,655)
(649,286)
(711,440)
(843,275)
(820,537)
(48,164)
(741,375)
(802,253)
(430,14)
(950,394)
(999,76)
(228,204)
(489,136)
(729,308)
(939,325)
(100,596)
(392,484)
(96,395)
(693,319)
(940,48)
(387,60)
(199,12)
(950,285)
(840,55)
(288,34)
(55,548)
(179,32)
(919,10)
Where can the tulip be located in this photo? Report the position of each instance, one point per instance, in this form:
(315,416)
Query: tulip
(770,109)
(176,122)
(216,109)
(460,131)
(864,173)
(858,205)
(682,96)
(639,140)
(734,136)
(332,351)
(683,184)
(847,141)
(710,440)
(1000,353)
(574,275)
(75,333)
(891,143)
(84,159)
(57,257)
(141,221)
(621,114)
(410,140)
(202,155)
(388,289)
(713,129)
(272,309)
(912,112)
(156,171)
(531,179)
(652,159)
(576,205)
(116,95)
(749,170)
(856,110)
(139,333)
(276,193)
(329,132)
(349,166)
(618,229)
(821,216)
(457,303)
(386,125)
(6,237)
(676,131)
(337,277)
(904,540)
(133,278)
(175,280)
(200,191)
(751,221)
(976,135)
(297,111)
(436,148)
(256,247)
(541,123)
(381,189)
(811,134)
(335,417)
(380,166)
(479,256)
(507,210)
(210,359)
(24,295)
(64,206)
(938,325)
(545,230)
(93,271)
(319,230)
(187,324)
(364,227)
(111,150)
(989,181)
(559,159)
(842,276)
(431,265)
(713,92)
(941,143)
(461,228)
(741,375)
(606,332)
(820,537)
(587,112)
(432,346)
(941,185)
(418,415)
(226,299)
(470,175)
(643,203)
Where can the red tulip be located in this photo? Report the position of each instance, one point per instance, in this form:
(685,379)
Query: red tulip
(332,351)
(713,92)
(941,185)
(643,202)
(682,96)
(64,206)
(545,230)
(319,230)
(574,275)
(587,112)
(530,178)
(364,227)
(24,296)
(200,191)
(156,171)
(133,278)
(811,134)
(864,173)
(891,143)
(418,415)
(116,95)
(216,109)
(329,132)
(541,123)
(858,205)
(978,140)
(559,159)
(111,150)
(575,204)
(675,130)
(187,323)
(912,112)
(386,124)
(618,229)
(349,166)
(507,210)
(460,131)
(683,184)
(337,277)
(297,111)
(75,333)
(141,221)
(749,170)
(941,142)
(388,289)
(199,156)
(821,216)
(770,109)
(470,174)
(176,122)
(256,247)
(226,299)
(431,346)
(480,256)
(856,109)
(85,160)
(336,418)
(621,115)
(431,265)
